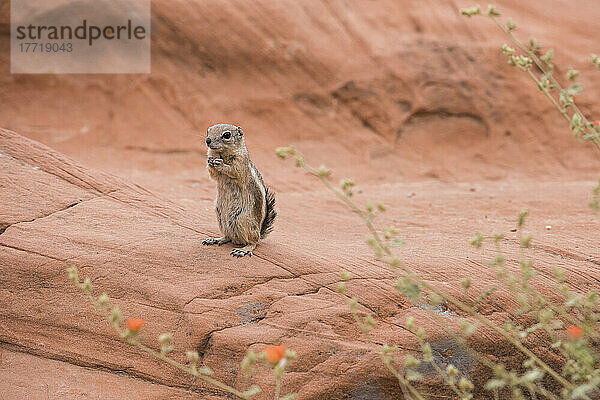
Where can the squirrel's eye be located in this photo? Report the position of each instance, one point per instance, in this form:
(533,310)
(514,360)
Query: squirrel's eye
(226,135)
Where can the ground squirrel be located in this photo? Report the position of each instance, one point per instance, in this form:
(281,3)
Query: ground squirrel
(245,207)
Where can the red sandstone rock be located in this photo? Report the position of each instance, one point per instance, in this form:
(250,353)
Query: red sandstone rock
(402,98)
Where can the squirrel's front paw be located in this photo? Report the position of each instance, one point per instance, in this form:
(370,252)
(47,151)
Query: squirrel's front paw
(220,241)
(210,241)
(215,162)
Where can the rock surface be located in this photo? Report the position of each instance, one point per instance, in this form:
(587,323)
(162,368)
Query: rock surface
(413,101)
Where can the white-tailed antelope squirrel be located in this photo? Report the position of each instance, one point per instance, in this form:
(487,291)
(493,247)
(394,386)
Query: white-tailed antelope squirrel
(245,207)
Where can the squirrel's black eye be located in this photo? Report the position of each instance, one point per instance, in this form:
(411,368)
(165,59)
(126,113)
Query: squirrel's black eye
(226,135)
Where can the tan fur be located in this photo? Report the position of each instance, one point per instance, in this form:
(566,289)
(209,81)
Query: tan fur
(241,204)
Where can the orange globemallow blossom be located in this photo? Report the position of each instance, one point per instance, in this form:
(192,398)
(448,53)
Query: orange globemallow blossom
(135,324)
(575,331)
(275,353)
(597,123)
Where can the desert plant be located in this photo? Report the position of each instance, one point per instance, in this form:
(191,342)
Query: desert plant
(540,68)
(595,203)
(274,357)
(581,373)
(526,56)
(570,325)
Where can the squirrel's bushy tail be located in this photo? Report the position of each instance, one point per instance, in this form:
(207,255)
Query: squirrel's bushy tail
(267,225)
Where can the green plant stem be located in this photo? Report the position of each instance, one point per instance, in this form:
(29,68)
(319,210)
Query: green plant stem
(559,310)
(163,357)
(482,359)
(489,324)
(540,65)
(440,372)
(189,370)
(549,96)
(277,387)
(462,306)
(385,361)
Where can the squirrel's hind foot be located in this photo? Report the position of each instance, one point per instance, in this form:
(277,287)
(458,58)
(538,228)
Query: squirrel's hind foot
(246,250)
(210,241)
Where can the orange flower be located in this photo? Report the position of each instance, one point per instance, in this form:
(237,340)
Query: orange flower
(135,324)
(275,353)
(575,331)
(597,123)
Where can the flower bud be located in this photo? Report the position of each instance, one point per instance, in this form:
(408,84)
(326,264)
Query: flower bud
(395,262)
(323,171)
(290,354)
(192,357)
(427,354)
(471,11)
(165,343)
(353,303)
(451,370)
(491,11)
(87,285)
(411,362)
(205,371)
(507,50)
(103,300)
(466,283)
(510,26)
(370,321)
(254,390)
(115,316)
(465,385)
(522,215)
(346,275)
(572,74)
(73,277)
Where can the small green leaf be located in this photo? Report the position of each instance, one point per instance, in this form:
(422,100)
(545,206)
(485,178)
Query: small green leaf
(494,384)
(412,375)
(492,12)
(411,362)
(526,241)
(254,390)
(398,242)
(345,275)
(467,329)
(510,26)
(408,288)
(575,89)
(532,376)
(507,50)
(478,240)
(572,74)
(548,57)
(522,215)
(466,283)
(471,11)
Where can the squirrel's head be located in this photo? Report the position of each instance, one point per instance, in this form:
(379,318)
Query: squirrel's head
(225,138)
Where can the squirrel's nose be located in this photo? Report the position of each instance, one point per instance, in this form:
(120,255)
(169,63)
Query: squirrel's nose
(207,141)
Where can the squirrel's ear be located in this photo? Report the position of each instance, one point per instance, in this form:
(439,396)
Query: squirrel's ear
(239,129)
